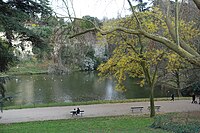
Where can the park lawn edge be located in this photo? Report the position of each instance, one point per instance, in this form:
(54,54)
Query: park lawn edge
(35,105)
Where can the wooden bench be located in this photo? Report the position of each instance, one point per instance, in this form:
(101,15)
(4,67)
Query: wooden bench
(137,108)
(73,112)
(157,107)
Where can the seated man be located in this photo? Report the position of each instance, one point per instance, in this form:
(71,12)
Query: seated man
(74,112)
(77,111)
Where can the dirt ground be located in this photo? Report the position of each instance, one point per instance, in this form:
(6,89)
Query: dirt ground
(53,113)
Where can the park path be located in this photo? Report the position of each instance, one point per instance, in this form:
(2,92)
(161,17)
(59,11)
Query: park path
(53,113)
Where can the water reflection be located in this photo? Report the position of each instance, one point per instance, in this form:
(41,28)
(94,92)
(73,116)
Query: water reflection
(110,93)
(109,90)
(79,86)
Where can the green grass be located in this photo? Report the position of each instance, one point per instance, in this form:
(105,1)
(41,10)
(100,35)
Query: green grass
(89,103)
(29,67)
(26,71)
(118,124)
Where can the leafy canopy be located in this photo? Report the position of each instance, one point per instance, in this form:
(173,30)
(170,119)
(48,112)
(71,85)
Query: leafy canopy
(133,55)
(15,16)
(136,56)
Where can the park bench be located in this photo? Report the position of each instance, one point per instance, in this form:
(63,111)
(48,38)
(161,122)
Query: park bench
(137,108)
(73,112)
(157,108)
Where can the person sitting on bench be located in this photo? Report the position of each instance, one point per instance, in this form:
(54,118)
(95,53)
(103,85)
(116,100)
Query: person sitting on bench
(74,112)
(77,111)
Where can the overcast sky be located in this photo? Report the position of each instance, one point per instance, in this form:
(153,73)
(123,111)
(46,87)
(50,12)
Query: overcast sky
(94,8)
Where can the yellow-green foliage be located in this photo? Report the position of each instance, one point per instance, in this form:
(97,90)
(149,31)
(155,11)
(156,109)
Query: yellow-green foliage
(136,58)
(176,63)
(130,53)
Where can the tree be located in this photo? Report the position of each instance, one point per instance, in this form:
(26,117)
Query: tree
(59,39)
(174,76)
(141,6)
(3,97)
(85,23)
(185,50)
(7,57)
(70,54)
(135,56)
(178,38)
(14,17)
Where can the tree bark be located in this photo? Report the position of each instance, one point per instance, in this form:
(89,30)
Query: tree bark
(178,83)
(152,106)
(177,23)
(150,83)
(171,28)
(197,2)
(182,43)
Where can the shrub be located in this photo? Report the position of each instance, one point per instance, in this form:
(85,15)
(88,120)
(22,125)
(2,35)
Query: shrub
(178,122)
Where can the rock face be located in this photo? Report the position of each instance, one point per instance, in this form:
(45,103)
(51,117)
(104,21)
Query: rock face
(23,49)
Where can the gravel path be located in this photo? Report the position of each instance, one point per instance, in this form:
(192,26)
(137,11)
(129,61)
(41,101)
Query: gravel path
(53,113)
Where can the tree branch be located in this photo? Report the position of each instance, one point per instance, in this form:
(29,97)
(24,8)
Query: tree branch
(168,43)
(138,22)
(183,44)
(86,31)
(197,2)
(66,5)
(177,22)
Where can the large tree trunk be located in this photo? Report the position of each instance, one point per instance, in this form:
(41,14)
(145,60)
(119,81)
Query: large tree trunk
(150,83)
(2,90)
(152,106)
(197,2)
(178,82)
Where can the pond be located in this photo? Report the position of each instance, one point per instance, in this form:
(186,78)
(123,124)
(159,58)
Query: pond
(74,87)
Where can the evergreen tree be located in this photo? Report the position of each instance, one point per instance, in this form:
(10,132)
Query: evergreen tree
(14,17)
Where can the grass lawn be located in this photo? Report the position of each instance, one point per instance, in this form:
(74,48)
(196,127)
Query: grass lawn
(118,124)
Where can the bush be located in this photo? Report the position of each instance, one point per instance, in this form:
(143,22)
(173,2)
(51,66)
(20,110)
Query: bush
(179,122)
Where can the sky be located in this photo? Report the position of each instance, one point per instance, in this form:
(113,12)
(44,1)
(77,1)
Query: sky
(94,8)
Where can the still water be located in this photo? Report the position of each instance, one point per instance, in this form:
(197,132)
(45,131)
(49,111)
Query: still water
(78,86)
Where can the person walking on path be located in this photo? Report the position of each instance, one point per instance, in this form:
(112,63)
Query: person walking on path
(172,97)
(199,99)
(193,98)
